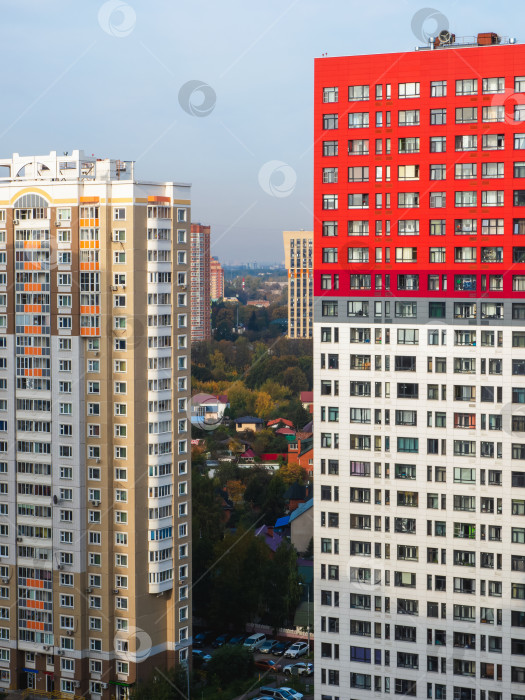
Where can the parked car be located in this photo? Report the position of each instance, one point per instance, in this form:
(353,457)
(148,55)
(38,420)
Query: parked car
(200,658)
(237,639)
(201,639)
(267,665)
(294,693)
(278,693)
(297,649)
(255,641)
(267,646)
(220,640)
(303,668)
(280,648)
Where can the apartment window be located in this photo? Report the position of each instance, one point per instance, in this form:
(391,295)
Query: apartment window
(438,116)
(408,90)
(437,227)
(492,198)
(358,201)
(330,228)
(356,174)
(330,121)
(358,147)
(409,117)
(408,199)
(330,201)
(491,86)
(408,227)
(438,144)
(493,142)
(408,145)
(358,120)
(357,93)
(466,115)
(330,94)
(330,255)
(438,172)
(408,172)
(330,148)
(358,228)
(492,227)
(467,87)
(494,113)
(438,88)
(329,175)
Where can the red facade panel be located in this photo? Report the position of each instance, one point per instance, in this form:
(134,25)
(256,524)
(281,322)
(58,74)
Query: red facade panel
(483,178)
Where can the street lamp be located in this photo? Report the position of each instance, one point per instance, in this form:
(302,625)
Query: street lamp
(307,585)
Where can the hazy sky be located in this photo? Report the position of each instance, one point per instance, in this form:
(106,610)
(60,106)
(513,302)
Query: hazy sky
(106,78)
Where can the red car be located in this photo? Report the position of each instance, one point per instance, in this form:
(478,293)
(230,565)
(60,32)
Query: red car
(267,665)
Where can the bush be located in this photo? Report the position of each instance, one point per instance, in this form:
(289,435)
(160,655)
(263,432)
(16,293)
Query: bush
(230,663)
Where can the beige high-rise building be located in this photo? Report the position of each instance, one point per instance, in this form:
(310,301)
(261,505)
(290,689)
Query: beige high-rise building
(95,447)
(298,260)
(217,280)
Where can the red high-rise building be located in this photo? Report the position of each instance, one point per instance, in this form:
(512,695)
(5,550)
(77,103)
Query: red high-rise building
(419,356)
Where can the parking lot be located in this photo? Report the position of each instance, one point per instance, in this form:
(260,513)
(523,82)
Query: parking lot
(271,665)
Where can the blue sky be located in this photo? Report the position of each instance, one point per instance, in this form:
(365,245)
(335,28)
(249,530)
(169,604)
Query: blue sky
(106,78)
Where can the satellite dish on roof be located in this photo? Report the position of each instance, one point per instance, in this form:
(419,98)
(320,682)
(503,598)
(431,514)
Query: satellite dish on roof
(444,36)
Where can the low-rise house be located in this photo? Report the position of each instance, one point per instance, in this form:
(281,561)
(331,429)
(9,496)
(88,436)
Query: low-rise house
(276,423)
(307,399)
(248,423)
(302,525)
(301,451)
(207,409)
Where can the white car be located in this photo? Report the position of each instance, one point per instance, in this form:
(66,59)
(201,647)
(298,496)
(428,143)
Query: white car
(303,668)
(294,693)
(297,649)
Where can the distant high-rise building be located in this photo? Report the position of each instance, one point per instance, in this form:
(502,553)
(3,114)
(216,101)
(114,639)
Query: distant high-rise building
(298,260)
(217,280)
(200,283)
(419,356)
(94,387)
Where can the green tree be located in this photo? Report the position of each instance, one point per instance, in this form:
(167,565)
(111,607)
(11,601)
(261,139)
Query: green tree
(256,486)
(273,504)
(237,576)
(282,586)
(162,685)
(208,529)
(295,412)
(295,379)
(231,663)
(252,324)
(224,331)
(241,400)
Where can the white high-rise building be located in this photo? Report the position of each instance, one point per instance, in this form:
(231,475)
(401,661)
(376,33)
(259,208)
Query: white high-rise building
(419,357)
